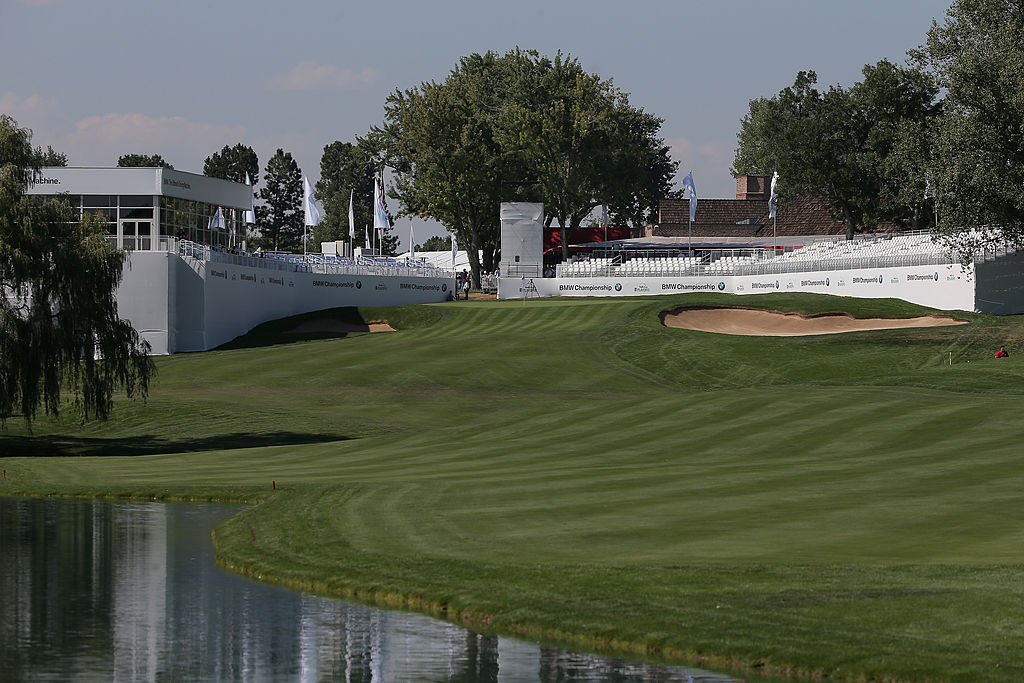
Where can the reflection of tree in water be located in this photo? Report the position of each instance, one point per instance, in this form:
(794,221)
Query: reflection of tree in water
(480,660)
(57,593)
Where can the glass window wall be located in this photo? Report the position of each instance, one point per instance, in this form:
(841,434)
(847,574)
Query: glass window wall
(179,218)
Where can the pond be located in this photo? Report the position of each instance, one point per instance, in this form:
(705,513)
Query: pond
(94,590)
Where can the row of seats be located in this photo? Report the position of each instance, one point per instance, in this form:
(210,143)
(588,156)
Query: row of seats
(882,247)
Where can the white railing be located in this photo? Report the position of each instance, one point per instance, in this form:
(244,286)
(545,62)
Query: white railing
(311,263)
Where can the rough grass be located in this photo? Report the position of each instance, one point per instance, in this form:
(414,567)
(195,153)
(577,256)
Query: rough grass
(842,505)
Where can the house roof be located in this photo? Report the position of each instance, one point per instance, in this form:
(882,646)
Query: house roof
(805,215)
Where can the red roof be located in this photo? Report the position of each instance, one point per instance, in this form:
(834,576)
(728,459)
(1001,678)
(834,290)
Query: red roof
(805,215)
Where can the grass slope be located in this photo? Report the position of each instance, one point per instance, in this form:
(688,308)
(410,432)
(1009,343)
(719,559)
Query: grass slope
(844,505)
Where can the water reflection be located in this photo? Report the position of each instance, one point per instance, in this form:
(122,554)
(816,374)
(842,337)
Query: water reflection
(91,590)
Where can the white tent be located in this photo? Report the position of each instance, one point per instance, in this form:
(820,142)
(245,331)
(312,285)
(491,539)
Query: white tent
(443,259)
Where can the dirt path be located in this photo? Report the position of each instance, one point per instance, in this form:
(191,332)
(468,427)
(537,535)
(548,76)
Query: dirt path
(329,325)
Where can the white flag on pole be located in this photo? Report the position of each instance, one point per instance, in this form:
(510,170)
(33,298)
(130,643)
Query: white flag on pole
(688,185)
(310,204)
(250,216)
(412,242)
(366,237)
(380,213)
(774,198)
(455,251)
(217,220)
(351,219)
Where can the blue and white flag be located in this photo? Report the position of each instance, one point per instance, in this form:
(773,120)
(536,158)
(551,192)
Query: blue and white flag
(310,204)
(250,216)
(688,184)
(366,237)
(217,220)
(773,200)
(380,212)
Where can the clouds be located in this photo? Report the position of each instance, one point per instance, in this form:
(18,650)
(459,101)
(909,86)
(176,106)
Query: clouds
(311,75)
(33,106)
(102,139)
(99,140)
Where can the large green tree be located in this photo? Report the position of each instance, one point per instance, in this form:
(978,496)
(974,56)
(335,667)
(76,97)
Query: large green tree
(440,139)
(586,144)
(233,163)
(142,161)
(59,328)
(838,143)
(280,220)
(977,156)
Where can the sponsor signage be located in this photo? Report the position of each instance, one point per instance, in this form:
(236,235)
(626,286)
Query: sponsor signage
(330,283)
(577,287)
(690,287)
(420,287)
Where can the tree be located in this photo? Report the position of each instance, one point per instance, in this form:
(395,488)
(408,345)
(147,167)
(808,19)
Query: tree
(837,143)
(346,170)
(142,161)
(440,139)
(435,243)
(59,327)
(901,108)
(280,221)
(978,146)
(233,163)
(50,157)
(587,145)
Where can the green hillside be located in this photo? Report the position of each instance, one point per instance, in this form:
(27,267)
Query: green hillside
(843,505)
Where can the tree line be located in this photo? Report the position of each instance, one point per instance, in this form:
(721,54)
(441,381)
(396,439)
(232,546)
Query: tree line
(937,143)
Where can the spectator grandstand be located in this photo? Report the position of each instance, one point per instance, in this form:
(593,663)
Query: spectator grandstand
(822,253)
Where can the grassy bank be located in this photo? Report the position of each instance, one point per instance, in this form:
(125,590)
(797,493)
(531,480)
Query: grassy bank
(840,505)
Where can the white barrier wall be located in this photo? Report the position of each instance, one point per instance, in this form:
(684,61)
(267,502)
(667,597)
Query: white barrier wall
(193,305)
(946,287)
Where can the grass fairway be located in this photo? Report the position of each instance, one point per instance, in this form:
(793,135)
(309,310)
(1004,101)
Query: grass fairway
(847,506)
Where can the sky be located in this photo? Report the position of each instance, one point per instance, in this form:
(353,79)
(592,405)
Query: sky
(97,79)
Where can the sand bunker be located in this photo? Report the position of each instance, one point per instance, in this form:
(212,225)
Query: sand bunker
(745,321)
(331,326)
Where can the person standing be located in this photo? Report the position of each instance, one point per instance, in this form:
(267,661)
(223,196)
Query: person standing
(1001,353)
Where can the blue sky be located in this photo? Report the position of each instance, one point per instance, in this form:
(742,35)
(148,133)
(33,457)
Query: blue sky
(100,78)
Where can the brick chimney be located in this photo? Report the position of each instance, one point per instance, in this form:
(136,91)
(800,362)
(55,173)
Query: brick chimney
(752,187)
